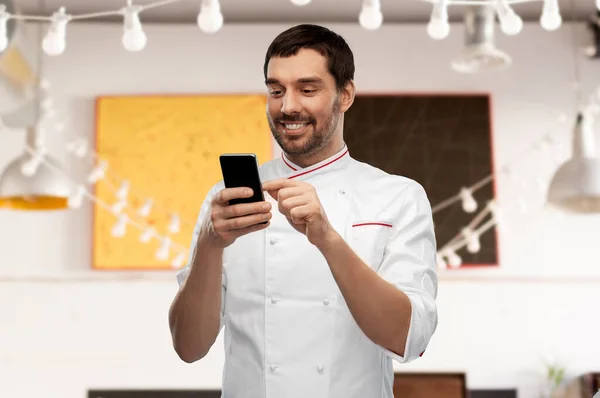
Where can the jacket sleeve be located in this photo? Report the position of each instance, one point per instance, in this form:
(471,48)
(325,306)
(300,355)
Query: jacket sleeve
(409,263)
(183,274)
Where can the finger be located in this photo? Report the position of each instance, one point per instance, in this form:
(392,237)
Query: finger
(288,204)
(244,209)
(300,214)
(290,192)
(252,228)
(278,184)
(225,195)
(237,223)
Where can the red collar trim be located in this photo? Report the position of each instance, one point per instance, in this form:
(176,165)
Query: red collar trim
(305,172)
(288,165)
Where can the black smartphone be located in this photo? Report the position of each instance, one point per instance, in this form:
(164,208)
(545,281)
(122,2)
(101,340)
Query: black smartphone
(241,170)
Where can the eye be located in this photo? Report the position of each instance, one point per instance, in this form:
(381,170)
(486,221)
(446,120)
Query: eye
(275,92)
(308,91)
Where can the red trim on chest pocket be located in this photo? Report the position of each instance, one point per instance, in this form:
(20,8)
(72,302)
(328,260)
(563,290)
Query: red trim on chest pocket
(372,223)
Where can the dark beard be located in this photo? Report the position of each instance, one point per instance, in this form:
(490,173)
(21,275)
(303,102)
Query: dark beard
(317,141)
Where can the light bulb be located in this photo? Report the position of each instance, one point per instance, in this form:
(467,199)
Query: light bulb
(511,24)
(144,211)
(119,206)
(55,41)
(147,234)
(81,149)
(469,204)
(134,39)
(300,2)
(123,190)
(370,17)
(163,251)
(598,5)
(174,224)
(551,18)
(120,227)
(551,21)
(98,173)
(454,259)
(3,42)
(441,262)
(473,244)
(438,29)
(75,201)
(178,261)
(210,19)
(54,45)
(4,17)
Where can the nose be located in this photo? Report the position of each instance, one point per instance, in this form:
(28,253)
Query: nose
(290,104)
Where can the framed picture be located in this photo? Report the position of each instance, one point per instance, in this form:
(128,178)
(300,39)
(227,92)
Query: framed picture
(443,141)
(167,148)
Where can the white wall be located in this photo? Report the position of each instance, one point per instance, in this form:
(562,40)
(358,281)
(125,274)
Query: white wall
(64,329)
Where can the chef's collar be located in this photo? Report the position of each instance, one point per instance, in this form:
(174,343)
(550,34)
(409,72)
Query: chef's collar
(333,163)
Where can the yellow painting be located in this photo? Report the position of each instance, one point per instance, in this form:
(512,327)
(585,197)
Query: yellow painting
(167,148)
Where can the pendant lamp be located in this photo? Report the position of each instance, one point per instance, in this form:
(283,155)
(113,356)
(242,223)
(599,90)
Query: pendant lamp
(575,186)
(28,184)
(480,54)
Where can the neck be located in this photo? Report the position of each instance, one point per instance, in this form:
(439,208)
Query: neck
(306,161)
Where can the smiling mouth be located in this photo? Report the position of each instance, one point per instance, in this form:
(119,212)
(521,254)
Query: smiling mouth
(295,128)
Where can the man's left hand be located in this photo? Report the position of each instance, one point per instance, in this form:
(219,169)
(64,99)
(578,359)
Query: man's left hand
(299,203)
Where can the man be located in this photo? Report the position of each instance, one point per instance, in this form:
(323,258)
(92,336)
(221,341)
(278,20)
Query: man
(340,280)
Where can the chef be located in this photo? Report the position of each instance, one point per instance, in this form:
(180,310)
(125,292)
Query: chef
(341,280)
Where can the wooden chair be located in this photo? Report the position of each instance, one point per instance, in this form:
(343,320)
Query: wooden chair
(428,385)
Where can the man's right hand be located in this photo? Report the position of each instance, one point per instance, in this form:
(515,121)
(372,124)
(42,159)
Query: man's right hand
(224,223)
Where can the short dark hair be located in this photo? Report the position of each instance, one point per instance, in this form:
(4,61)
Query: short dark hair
(326,42)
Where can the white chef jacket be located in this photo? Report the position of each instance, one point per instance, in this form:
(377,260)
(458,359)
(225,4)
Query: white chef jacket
(288,331)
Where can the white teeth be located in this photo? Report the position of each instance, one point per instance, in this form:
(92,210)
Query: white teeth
(295,126)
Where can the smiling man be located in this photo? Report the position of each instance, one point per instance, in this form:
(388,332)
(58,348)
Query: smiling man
(341,280)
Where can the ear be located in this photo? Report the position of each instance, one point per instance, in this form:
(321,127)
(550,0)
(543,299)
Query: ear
(347,96)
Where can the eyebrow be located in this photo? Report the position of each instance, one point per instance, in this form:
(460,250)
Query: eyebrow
(304,80)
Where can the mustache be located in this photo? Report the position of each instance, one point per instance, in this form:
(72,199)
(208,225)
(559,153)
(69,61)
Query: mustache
(294,119)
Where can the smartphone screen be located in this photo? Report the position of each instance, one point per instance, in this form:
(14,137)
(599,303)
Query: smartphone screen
(241,170)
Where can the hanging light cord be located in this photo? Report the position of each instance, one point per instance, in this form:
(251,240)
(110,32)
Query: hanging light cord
(576,65)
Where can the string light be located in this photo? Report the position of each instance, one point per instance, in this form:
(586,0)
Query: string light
(370,16)
(510,23)
(469,236)
(210,19)
(134,39)
(119,229)
(551,18)
(438,27)
(55,41)
(4,17)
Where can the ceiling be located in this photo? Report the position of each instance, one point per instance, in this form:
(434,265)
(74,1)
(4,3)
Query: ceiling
(272,11)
